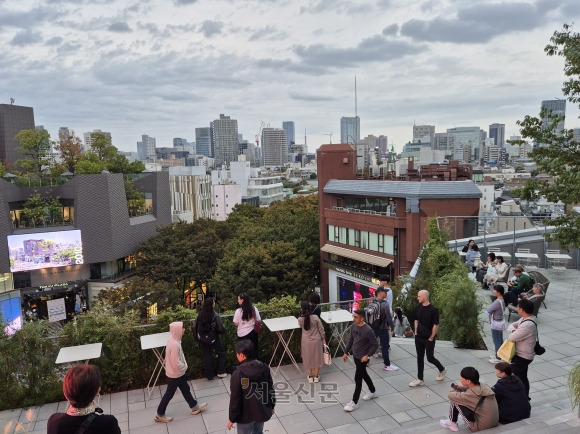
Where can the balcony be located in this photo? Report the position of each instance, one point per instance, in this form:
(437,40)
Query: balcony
(365,211)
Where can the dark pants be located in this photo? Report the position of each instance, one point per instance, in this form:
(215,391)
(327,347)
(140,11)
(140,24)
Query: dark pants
(479,274)
(510,298)
(252,336)
(455,409)
(172,386)
(219,349)
(359,375)
(384,336)
(423,346)
(520,369)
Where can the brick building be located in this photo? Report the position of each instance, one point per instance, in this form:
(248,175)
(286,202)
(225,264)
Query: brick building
(373,227)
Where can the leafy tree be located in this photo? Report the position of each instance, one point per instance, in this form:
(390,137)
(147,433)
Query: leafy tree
(559,154)
(71,150)
(90,164)
(101,146)
(184,255)
(34,209)
(35,147)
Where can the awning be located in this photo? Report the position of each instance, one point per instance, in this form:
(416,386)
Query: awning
(352,254)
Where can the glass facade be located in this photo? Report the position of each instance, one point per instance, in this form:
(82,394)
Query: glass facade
(371,241)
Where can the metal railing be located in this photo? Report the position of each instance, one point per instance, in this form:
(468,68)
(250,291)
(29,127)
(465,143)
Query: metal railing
(364,211)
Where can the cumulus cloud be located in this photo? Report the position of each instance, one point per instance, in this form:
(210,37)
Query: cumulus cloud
(57,40)
(27,19)
(120,27)
(309,97)
(268,33)
(26,37)
(336,6)
(210,28)
(391,30)
(184,2)
(479,23)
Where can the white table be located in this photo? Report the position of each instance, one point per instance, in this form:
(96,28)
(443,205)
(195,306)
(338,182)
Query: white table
(559,260)
(530,259)
(79,352)
(281,325)
(154,342)
(506,256)
(337,319)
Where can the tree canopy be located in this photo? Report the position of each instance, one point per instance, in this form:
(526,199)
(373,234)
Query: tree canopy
(558,153)
(35,148)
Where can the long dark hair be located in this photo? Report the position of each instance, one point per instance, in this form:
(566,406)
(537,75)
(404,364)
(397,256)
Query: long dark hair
(247,308)
(399,314)
(306,314)
(207,313)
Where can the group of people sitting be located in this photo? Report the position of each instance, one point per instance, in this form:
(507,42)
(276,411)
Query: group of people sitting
(481,406)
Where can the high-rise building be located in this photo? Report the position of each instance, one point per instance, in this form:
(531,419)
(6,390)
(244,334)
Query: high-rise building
(350,130)
(203,142)
(464,138)
(149,145)
(557,107)
(497,133)
(383,144)
(288,126)
(89,138)
(224,140)
(424,134)
(274,147)
(13,119)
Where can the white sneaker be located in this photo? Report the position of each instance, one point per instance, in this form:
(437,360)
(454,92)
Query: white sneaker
(370,395)
(316,379)
(310,379)
(416,383)
(224,375)
(351,406)
(494,360)
(446,423)
(441,375)
(391,367)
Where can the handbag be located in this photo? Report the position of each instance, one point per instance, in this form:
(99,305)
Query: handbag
(538,349)
(408,332)
(507,351)
(327,355)
(498,325)
(257,322)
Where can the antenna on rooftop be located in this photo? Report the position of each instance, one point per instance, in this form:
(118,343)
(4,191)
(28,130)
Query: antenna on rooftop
(356,133)
(328,135)
(11,101)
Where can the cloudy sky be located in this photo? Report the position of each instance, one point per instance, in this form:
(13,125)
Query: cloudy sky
(165,67)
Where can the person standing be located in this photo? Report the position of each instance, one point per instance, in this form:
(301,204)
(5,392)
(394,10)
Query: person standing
(523,333)
(208,326)
(363,342)
(384,281)
(252,397)
(244,319)
(175,369)
(381,330)
(314,300)
(497,321)
(426,326)
(312,342)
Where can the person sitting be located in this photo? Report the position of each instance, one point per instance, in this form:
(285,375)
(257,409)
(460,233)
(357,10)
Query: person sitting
(401,325)
(522,284)
(510,394)
(471,256)
(488,267)
(468,246)
(82,384)
(474,401)
(499,272)
(536,291)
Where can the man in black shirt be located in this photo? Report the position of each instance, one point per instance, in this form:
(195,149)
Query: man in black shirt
(426,326)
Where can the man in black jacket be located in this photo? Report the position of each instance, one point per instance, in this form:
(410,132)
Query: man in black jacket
(252,398)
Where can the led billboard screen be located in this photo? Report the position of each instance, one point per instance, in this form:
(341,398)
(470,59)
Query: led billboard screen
(350,290)
(11,317)
(45,250)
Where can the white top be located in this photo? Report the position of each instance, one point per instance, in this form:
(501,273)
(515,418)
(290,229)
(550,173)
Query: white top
(282,323)
(245,327)
(79,352)
(155,340)
(336,316)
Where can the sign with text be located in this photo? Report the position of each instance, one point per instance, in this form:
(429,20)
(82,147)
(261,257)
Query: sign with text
(56,309)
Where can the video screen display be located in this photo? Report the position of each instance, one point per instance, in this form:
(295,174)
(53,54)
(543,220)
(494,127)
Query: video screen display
(45,250)
(350,290)
(11,315)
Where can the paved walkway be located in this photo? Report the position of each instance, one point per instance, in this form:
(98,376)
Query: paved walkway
(318,408)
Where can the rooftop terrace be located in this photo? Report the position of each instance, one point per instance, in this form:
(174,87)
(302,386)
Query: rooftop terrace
(318,408)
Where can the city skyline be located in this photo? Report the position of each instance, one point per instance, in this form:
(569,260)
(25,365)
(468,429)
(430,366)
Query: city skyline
(165,70)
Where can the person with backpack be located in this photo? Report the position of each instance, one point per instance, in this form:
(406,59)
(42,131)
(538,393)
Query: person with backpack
(378,316)
(206,329)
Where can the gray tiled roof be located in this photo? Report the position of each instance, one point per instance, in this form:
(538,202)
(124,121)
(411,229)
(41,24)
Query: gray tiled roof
(411,189)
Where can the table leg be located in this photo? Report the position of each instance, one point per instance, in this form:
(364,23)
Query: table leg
(158,368)
(285,345)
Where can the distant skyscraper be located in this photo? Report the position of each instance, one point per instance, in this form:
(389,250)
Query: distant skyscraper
(558,107)
(89,138)
(13,119)
(383,144)
(149,145)
(274,147)
(465,141)
(424,134)
(203,141)
(224,140)
(288,126)
(497,133)
(350,130)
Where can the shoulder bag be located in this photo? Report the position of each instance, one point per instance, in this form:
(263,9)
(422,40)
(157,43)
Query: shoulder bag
(257,322)
(327,356)
(498,325)
(86,424)
(538,349)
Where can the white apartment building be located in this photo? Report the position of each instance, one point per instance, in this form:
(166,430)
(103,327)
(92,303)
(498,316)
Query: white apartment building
(224,198)
(190,189)
(268,189)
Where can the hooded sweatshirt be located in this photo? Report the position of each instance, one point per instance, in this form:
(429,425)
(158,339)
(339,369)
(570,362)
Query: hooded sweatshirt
(252,396)
(487,413)
(512,399)
(175,364)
